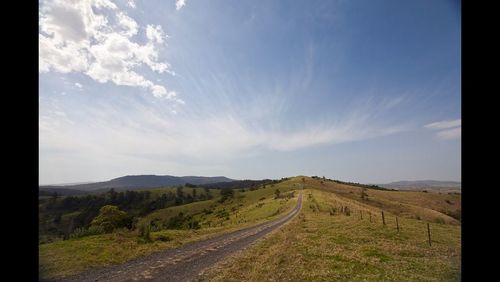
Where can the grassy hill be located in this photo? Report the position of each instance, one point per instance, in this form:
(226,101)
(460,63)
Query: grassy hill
(323,237)
(319,245)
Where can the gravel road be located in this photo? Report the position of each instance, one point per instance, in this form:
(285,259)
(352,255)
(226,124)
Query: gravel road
(185,263)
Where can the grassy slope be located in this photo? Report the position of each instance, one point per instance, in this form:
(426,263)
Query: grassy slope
(317,246)
(340,245)
(64,258)
(427,206)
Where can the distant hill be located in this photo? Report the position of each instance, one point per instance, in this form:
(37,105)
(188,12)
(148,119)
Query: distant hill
(61,191)
(425,185)
(239,184)
(137,182)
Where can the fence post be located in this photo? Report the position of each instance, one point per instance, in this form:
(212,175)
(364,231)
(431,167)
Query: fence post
(429,233)
(397,224)
(383,218)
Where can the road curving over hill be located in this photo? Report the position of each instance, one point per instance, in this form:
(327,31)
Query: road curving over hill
(187,262)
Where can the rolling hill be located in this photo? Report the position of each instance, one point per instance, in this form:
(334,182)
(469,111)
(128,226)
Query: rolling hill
(136,182)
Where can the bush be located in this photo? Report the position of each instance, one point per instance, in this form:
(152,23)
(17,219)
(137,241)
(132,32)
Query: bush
(277,193)
(144,232)
(82,232)
(226,194)
(163,238)
(110,217)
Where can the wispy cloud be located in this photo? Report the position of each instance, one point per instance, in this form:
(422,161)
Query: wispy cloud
(179,4)
(449,129)
(444,124)
(453,133)
(97,39)
(144,133)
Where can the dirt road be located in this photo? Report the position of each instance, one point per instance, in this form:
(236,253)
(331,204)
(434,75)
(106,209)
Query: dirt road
(188,261)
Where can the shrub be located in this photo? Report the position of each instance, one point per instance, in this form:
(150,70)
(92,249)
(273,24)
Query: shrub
(145,232)
(277,192)
(226,194)
(163,238)
(82,232)
(109,218)
(439,220)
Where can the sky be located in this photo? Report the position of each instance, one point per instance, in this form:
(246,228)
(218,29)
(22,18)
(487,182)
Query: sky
(363,91)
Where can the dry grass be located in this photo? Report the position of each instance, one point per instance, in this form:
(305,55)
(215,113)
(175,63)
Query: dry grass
(317,246)
(433,207)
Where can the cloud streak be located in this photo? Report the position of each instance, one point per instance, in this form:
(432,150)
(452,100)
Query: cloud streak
(145,133)
(97,39)
(448,129)
(444,124)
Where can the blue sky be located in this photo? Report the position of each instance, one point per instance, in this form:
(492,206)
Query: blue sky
(365,91)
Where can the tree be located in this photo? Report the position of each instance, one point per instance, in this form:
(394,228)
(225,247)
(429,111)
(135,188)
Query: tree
(226,194)
(54,197)
(277,193)
(109,218)
(180,193)
(112,195)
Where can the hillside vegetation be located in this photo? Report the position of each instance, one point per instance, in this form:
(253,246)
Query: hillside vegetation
(327,241)
(330,241)
(168,227)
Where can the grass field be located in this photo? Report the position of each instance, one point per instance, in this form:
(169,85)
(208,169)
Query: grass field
(318,246)
(69,257)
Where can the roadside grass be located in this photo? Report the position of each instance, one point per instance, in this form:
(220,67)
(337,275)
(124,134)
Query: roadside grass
(433,207)
(64,258)
(317,246)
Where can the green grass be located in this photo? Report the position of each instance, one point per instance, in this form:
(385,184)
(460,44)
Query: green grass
(317,246)
(63,258)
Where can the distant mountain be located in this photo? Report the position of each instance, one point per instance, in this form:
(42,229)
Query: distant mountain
(140,181)
(68,184)
(424,184)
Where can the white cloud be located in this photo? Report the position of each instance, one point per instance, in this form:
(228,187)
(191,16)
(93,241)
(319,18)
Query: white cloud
(131,3)
(128,24)
(454,133)
(179,4)
(146,134)
(444,124)
(95,38)
(450,129)
(78,85)
(154,33)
